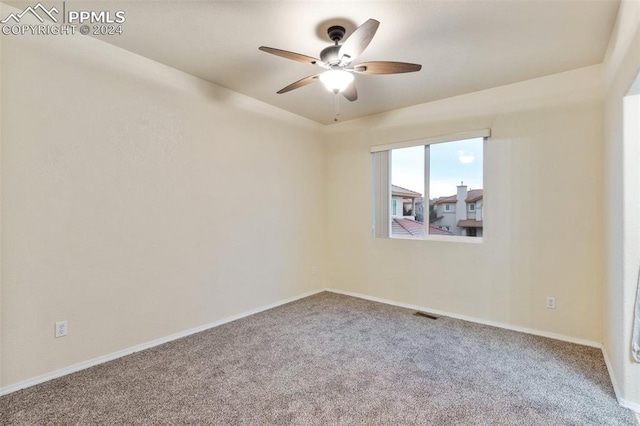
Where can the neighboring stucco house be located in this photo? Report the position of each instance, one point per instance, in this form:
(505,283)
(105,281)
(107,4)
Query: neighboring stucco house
(460,214)
(407,214)
(403,202)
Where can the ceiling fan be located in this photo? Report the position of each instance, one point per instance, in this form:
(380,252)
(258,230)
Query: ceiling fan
(336,60)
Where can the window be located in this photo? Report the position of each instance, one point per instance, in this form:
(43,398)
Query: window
(443,173)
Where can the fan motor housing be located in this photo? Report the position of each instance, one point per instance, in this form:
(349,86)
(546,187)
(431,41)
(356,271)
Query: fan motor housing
(330,56)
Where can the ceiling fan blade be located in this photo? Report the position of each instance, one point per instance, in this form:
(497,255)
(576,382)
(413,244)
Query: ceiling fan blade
(298,84)
(358,41)
(291,55)
(386,67)
(350,92)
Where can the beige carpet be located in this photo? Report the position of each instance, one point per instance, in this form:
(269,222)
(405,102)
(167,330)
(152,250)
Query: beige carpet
(332,360)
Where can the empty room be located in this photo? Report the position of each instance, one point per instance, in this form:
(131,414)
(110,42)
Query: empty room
(320,212)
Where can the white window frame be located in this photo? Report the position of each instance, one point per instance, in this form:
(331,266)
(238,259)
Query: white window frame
(472,207)
(381,188)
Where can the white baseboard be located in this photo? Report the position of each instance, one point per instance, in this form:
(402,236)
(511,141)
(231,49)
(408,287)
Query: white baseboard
(611,375)
(633,406)
(124,352)
(550,335)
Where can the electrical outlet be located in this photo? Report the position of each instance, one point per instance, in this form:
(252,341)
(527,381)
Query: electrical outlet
(551,302)
(314,270)
(61,329)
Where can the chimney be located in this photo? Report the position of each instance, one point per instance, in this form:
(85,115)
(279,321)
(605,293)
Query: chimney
(461,204)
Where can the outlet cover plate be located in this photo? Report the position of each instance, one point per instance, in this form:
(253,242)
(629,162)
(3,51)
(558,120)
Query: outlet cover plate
(551,302)
(61,329)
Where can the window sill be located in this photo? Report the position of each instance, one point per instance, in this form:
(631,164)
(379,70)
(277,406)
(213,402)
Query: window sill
(444,238)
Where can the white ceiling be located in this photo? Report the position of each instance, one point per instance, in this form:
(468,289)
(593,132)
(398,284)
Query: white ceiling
(463,46)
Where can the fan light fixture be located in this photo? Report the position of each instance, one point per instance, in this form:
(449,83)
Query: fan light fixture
(336,80)
(336,60)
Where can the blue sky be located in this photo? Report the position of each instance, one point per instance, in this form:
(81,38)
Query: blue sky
(451,163)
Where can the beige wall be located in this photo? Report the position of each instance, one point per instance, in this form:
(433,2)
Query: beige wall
(622,200)
(117,177)
(545,150)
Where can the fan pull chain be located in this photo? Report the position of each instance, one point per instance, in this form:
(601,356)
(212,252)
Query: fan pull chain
(336,108)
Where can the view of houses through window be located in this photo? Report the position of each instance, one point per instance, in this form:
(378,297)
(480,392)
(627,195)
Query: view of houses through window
(449,176)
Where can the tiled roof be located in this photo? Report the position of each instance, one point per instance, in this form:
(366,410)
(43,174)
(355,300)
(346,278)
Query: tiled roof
(470,223)
(412,228)
(407,227)
(449,199)
(437,231)
(404,192)
(472,195)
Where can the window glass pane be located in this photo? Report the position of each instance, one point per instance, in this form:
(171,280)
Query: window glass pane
(407,191)
(456,188)
(436,189)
